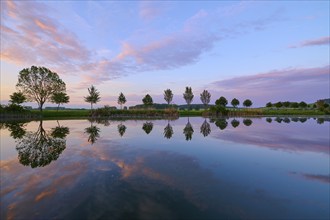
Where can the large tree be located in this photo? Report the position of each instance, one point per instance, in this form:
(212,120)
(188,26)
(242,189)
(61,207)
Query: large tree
(59,98)
(188,96)
(121,100)
(205,98)
(147,100)
(39,83)
(168,96)
(93,97)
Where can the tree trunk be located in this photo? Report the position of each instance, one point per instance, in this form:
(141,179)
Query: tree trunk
(58,107)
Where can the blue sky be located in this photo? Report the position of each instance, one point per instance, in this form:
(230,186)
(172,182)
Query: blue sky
(261,50)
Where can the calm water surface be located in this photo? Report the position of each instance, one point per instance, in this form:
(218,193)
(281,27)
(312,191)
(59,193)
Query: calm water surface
(190,168)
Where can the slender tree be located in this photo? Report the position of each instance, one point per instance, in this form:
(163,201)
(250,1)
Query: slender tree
(121,100)
(59,98)
(247,103)
(93,97)
(168,96)
(188,96)
(17,98)
(234,102)
(205,98)
(147,101)
(39,83)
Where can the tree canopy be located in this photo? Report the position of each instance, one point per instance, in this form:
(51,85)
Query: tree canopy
(234,102)
(188,96)
(17,98)
(205,97)
(247,103)
(93,97)
(168,96)
(121,100)
(222,101)
(59,98)
(39,83)
(147,100)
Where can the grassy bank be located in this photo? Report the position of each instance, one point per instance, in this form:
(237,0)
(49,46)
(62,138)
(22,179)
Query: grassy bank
(154,113)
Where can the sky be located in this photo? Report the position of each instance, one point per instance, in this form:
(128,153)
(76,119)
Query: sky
(259,50)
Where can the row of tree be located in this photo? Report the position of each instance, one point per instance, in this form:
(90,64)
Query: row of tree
(205,97)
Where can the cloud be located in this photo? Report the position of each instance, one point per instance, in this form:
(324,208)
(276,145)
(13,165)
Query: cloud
(293,84)
(315,177)
(315,42)
(33,37)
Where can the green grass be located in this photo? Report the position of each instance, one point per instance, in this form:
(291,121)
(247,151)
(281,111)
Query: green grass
(62,114)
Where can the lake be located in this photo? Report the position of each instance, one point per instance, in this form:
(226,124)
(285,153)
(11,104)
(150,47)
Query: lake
(189,168)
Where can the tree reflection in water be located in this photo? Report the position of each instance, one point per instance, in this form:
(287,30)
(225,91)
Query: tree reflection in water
(234,123)
(16,129)
(147,127)
(221,123)
(168,131)
(40,148)
(188,131)
(205,128)
(247,122)
(121,129)
(93,132)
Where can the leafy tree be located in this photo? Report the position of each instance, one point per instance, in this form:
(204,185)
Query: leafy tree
(294,105)
(247,103)
(234,102)
(278,119)
(59,98)
(17,129)
(17,98)
(147,127)
(278,104)
(205,128)
(286,104)
(302,104)
(188,131)
(168,131)
(121,100)
(247,122)
(93,97)
(147,100)
(205,98)
(269,105)
(39,83)
(188,96)
(168,96)
(222,101)
(234,123)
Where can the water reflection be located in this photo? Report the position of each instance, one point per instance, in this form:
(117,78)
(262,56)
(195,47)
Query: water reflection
(168,131)
(188,131)
(17,129)
(205,128)
(221,123)
(247,122)
(93,132)
(147,127)
(40,148)
(121,129)
(235,123)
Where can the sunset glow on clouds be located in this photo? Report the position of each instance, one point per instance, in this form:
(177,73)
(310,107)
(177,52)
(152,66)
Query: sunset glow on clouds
(265,51)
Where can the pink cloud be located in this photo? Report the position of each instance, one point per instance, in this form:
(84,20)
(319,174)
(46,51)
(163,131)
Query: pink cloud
(314,42)
(295,84)
(33,37)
